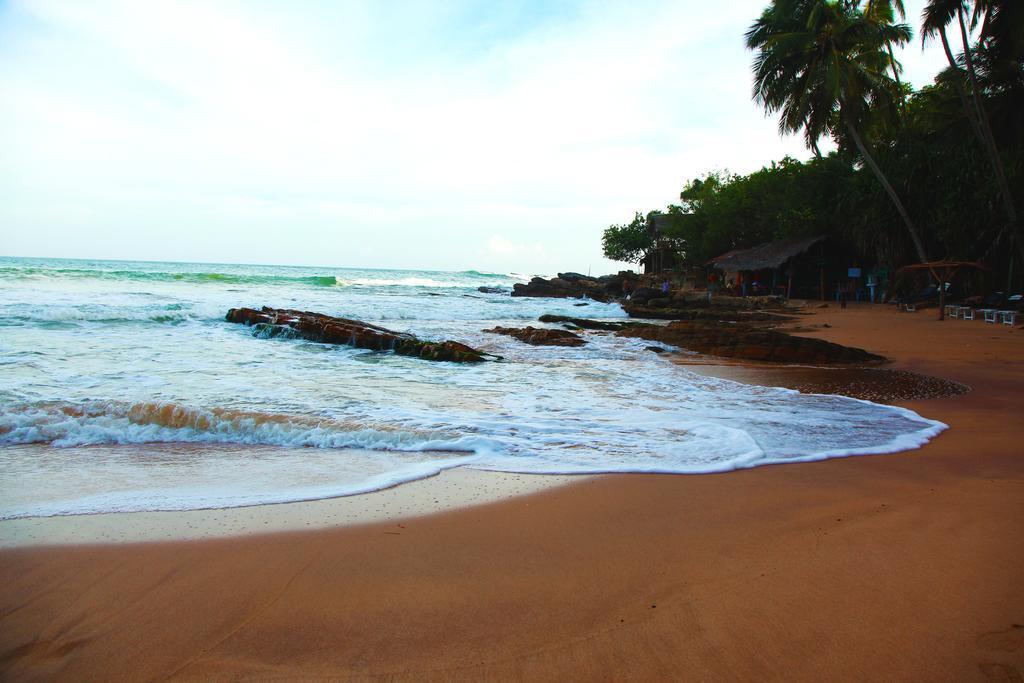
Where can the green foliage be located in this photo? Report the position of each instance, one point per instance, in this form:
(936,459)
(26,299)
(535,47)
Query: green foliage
(629,242)
(785,199)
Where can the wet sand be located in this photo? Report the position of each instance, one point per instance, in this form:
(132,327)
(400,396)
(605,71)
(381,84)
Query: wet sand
(450,490)
(897,567)
(880,385)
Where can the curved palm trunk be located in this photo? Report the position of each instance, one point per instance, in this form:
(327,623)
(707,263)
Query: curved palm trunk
(870,161)
(988,140)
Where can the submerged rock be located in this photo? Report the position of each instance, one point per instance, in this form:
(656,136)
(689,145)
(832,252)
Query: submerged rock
(541,336)
(276,322)
(492,290)
(583,323)
(748,342)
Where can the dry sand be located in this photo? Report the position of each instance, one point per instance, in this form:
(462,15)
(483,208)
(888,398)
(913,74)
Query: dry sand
(901,567)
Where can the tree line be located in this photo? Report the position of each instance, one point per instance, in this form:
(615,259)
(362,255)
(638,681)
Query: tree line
(936,173)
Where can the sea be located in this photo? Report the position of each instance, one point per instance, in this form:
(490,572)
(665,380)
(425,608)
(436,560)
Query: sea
(123,388)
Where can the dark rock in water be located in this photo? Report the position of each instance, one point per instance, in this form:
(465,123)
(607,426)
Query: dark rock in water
(655,349)
(748,342)
(541,336)
(583,323)
(582,304)
(492,290)
(641,295)
(277,322)
(577,285)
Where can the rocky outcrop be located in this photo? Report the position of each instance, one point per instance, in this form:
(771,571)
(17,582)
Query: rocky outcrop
(748,342)
(573,277)
(276,322)
(577,285)
(541,336)
(559,288)
(492,290)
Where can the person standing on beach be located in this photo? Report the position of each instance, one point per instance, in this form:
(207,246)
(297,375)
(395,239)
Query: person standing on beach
(712,284)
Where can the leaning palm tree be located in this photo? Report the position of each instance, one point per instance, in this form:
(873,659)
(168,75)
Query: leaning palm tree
(1002,22)
(823,67)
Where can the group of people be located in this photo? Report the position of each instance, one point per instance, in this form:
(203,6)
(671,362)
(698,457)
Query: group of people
(738,285)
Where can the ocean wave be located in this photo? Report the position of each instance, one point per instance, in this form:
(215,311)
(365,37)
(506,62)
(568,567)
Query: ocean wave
(29,272)
(64,424)
(171,314)
(702,426)
(496,276)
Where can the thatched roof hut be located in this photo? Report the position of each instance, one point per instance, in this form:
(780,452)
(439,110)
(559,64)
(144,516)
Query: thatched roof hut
(769,255)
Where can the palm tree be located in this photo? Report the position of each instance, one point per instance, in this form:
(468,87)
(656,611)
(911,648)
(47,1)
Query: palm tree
(885,11)
(998,20)
(823,67)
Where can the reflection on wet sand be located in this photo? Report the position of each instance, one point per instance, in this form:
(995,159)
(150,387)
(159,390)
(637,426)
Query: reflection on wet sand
(880,385)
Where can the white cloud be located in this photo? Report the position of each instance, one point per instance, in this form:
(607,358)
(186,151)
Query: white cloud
(501,246)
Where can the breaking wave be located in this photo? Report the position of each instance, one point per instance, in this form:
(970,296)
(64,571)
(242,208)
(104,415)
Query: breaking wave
(159,276)
(91,423)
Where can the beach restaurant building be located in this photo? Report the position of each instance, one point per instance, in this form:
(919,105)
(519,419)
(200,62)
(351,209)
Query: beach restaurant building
(779,267)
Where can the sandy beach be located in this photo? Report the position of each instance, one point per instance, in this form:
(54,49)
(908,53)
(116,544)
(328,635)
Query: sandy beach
(897,567)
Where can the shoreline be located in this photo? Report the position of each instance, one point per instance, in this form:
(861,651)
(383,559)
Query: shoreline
(460,487)
(451,489)
(902,566)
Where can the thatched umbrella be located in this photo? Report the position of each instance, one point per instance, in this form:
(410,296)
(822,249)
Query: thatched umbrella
(943,272)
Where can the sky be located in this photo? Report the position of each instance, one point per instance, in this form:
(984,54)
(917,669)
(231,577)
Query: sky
(499,136)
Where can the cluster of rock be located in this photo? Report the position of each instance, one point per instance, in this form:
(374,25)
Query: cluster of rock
(575,285)
(711,314)
(541,336)
(648,303)
(730,327)
(749,342)
(275,322)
